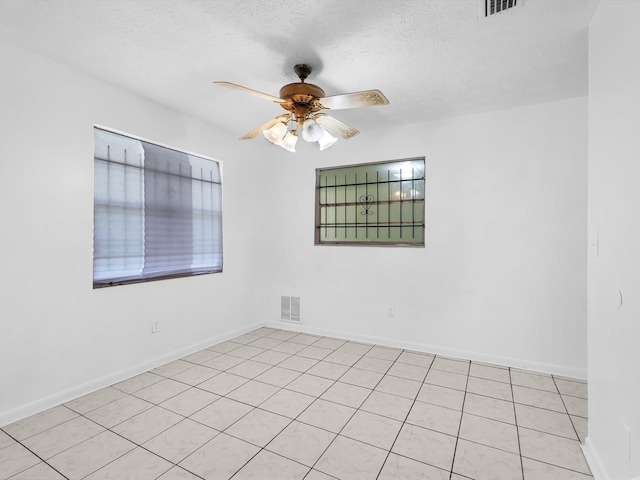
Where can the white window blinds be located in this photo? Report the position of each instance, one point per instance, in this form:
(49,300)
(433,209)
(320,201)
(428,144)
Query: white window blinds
(157,212)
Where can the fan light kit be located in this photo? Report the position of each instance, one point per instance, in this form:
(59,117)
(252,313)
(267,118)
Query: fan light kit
(305,102)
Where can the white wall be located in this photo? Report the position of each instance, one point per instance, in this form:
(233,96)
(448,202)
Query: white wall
(58,336)
(503,275)
(614,233)
(502,278)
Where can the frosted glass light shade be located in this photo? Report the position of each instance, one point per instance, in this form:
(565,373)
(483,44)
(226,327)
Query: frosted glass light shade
(289,142)
(326,140)
(311,131)
(276,133)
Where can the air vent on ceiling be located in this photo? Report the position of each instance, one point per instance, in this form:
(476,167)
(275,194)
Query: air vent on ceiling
(290,309)
(490,8)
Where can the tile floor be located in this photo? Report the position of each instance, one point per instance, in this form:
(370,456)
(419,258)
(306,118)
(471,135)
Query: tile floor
(275,404)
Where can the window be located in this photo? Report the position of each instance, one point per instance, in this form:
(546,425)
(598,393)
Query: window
(157,212)
(371,204)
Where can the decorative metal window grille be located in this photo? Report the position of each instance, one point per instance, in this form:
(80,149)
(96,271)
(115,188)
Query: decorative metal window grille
(494,7)
(157,212)
(371,204)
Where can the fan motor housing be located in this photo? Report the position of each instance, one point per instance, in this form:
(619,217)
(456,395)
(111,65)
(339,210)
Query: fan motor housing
(301,89)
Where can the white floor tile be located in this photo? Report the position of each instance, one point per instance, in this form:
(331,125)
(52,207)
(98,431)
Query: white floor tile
(268,465)
(434,417)
(349,395)
(15,459)
(490,388)
(450,365)
(222,413)
(147,424)
(402,387)
(328,415)
(489,407)
(538,398)
(491,433)
(5,440)
(426,446)
(139,464)
(332,371)
(568,387)
(249,369)
(258,427)
(220,458)
(373,429)
(117,412)
(95,400)
(189,401)
(253,393)
(387,405)
(91,455)
(485,463)
(280,377)
(310,385)
(301,442)
(161,391)
(403,468)
(196,374)
(41,471)
(552,449)
(223,384)
(180,440)
(361,378)
(446,379)
(177,473)
(533,380)
(349,459)
(35,424)
(288,405)
(489,373)
(405,370)
(138,382)
(534,470)
(63,436)
(442,396)
(545,421)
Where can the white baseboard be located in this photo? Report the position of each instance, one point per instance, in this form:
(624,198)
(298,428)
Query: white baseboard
(438,350)
(67,395)
(593,459)
(58,398)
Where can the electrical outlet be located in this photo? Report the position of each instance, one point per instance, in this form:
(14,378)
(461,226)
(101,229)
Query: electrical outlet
(391,312)
(155,326)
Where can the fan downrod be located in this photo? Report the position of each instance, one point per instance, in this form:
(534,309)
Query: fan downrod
(302,71)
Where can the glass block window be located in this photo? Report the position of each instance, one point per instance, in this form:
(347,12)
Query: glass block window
(371,204)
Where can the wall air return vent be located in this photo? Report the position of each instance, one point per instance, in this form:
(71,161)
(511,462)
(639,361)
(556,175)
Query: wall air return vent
(290,309)
(489,8)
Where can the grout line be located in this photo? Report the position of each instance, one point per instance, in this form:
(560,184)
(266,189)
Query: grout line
(568,415)
(455,448)
(515,417)
(35,454)
(354,413)
(404,422)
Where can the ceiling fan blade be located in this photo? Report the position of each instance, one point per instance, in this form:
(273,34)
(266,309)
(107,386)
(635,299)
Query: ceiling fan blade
(367,98)
(335,126)
(265,126)
(251,91)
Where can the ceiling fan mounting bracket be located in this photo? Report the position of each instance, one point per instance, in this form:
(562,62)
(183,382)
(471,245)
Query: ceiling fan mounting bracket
(302,71)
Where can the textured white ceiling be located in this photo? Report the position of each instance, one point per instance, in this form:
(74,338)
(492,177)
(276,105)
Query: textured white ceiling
(431,58)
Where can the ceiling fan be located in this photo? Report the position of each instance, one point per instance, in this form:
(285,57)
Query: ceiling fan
(305,104)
